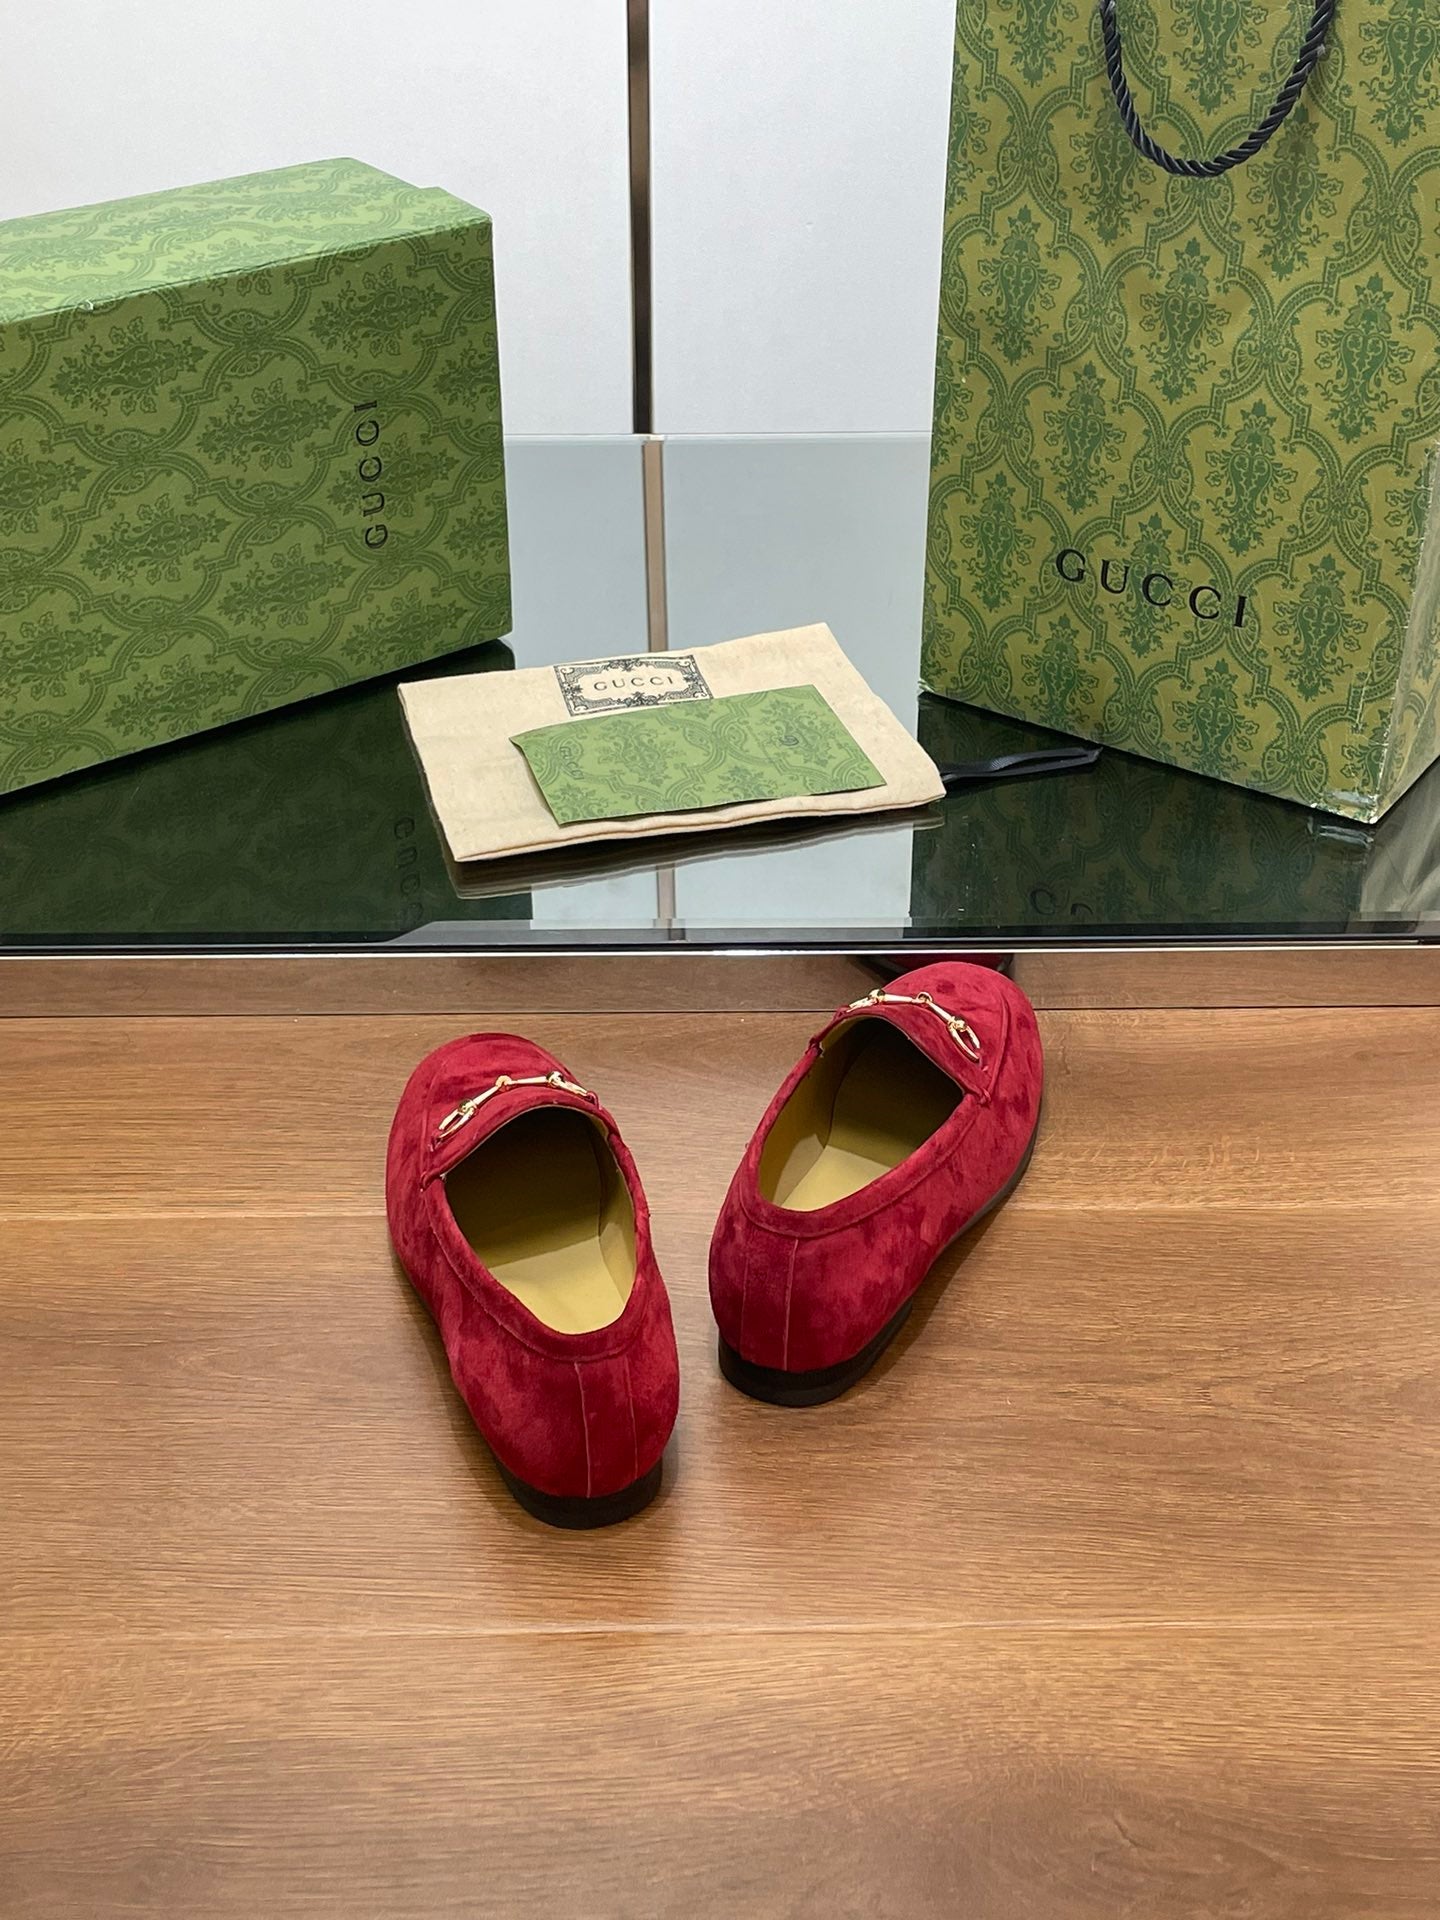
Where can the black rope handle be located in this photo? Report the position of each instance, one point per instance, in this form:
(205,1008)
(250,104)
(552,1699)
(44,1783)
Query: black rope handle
(1311,50)
(1010,766)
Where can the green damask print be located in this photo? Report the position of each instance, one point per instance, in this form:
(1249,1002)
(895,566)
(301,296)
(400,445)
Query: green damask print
(1364,759)
(966,129)
(245,228)
(44,657)
(1320,630)
(1404,46)
(466,379)
(1406,515)
(48,254)
(42,737)
(1186,319)
(183,697)
(225,461)
(159,541)
(772,745)
(21,578)
(284,590)
(999,544)
(952,397)
(1019,287)
(29,483)
(413,627)
(1220,28)
(1293,197)
(1363,358)
(1220,735)
(1250,479)
(1230,389)
(487,598)
(1142,621)
(273,426)
(378,316)
(1086,439)
(1427,658)
(1061,685)
(477,532)
(1038,30)
(411,473)
(1111,173)
(986,671)
(418,469)
(135,372)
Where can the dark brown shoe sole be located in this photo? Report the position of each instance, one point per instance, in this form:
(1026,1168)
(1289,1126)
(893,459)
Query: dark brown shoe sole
(575,1512)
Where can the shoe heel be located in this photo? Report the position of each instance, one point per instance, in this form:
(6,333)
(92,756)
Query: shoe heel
(575,1513)
(784,1389)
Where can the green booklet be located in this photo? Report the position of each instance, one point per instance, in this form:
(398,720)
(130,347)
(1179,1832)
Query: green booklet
(775,745)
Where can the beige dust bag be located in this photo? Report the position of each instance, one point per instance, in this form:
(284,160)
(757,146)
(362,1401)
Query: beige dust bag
(486,799)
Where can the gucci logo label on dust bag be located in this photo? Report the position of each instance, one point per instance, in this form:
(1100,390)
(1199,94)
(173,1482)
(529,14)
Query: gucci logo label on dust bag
(633,680)
(1160,589)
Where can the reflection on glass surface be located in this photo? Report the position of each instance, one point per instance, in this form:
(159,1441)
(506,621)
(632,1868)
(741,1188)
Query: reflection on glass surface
(1131,847)
(311,827)
(307,823)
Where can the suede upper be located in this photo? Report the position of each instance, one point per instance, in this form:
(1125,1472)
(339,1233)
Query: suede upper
(576,1415)
(800,1291)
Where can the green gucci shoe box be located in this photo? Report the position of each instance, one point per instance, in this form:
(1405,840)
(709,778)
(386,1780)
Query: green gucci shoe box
(250,451)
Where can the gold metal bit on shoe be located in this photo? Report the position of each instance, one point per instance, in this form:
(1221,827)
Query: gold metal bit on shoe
(960,1030)
(466,1111)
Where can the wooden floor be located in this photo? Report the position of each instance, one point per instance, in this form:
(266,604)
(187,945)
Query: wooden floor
(1114,1592)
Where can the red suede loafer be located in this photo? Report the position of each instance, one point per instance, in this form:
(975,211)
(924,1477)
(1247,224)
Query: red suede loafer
(911,1114)
(518,1214)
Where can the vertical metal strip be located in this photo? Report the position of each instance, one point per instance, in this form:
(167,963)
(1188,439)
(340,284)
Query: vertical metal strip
(657,599)
(642,324)
(657,618)
(665,891)
(641,274)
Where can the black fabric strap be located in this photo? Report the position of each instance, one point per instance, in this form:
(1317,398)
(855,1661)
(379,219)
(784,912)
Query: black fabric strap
(1015,766)
(1312,49)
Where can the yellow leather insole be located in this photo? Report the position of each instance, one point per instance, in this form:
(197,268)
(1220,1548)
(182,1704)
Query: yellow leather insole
(869,1101)
(544,1205)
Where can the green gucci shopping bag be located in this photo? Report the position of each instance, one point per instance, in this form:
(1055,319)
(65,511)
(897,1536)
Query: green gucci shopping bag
(1188,393)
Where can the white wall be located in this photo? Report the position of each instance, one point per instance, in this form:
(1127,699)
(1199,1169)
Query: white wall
(799,151)
(516,105)
(799,177)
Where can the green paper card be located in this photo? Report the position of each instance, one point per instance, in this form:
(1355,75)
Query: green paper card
(779,744)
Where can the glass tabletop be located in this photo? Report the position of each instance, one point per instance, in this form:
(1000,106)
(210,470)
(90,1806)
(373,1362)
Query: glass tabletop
(310,830)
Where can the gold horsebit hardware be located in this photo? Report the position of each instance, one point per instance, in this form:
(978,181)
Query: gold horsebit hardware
(960,1031)
(467,1110)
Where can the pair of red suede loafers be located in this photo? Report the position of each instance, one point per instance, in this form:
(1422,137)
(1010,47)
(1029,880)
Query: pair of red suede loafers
(518,1213)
